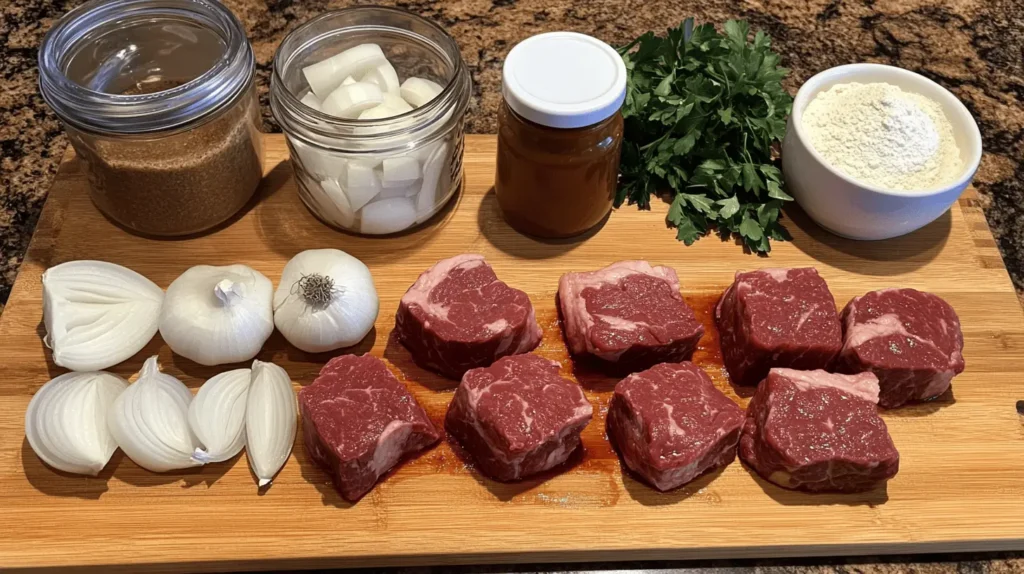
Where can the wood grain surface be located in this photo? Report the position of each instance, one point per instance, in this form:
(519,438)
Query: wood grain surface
(960,486)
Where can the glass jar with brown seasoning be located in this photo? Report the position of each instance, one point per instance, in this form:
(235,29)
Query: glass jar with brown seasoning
(559,134)
(158,98)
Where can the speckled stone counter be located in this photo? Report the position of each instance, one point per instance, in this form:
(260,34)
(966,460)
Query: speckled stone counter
(973,47)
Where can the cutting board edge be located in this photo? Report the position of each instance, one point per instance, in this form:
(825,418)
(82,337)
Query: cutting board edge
(559,556)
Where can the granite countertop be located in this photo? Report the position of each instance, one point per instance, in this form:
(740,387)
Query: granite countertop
(973,47)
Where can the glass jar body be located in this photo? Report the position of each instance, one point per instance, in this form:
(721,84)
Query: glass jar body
(158,98)
(553,182)
(340,164)
(180,183)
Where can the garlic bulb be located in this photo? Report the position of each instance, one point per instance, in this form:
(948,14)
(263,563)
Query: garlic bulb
(149,421)
(217,416)
(66,421)
(270,420)
(97,314)
(326,300)
(217,315)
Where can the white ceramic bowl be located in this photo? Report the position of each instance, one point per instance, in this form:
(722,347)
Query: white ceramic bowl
(857,210)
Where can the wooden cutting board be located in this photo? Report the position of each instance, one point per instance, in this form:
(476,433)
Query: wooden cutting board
(960,486)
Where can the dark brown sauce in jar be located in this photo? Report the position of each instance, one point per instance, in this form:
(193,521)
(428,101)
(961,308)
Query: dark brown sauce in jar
(559,133)
(556,182)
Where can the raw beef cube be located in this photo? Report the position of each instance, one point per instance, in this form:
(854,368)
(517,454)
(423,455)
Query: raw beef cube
(518,417)
(910,340)
(458,316)
(671,424)
(628,315)
(816,431)
(359,421)
(777,318)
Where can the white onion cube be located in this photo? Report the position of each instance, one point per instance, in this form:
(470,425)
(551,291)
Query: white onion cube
(400,172)
(396,102)
(325,76)
(322,164)
(418,91)
(388,216)
(351,100)
(378,112)
(361,184)
(435,179)
(311,100)
(346,215)
(408,191)
(384,76)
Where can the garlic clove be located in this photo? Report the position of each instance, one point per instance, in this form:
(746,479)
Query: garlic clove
(98,314)
(217,315)
(270,420)
(217,416)
(149,421)
(66,421)
(326,300)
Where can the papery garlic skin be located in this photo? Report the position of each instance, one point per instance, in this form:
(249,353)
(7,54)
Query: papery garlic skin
(149,421)
(271,414)
(217,416)
(66,421)
(217,315)
(343,319)
(98,314)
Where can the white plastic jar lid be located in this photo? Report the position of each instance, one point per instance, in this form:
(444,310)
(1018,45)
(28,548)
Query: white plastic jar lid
(564,80)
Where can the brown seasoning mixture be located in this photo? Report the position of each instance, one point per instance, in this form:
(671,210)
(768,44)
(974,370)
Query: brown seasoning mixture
(176,183)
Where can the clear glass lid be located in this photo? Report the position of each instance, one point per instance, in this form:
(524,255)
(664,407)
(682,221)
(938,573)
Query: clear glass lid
(138,66)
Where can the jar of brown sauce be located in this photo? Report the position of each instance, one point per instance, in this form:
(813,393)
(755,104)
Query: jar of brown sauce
(559,133)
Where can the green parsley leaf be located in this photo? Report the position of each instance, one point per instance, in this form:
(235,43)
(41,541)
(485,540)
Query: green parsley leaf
(729,207)
(751,230)
(703,109)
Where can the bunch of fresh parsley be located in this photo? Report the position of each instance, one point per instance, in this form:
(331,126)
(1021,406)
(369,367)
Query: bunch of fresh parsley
(702,111)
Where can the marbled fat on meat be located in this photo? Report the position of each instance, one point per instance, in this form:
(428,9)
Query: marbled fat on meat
(909,339)
(518,417)
(670,424)
(777,318)
(458,316)
(359,421)
(817,431)
(628,315)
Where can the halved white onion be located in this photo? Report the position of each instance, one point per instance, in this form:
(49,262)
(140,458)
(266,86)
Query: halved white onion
(66,421)
(98,314)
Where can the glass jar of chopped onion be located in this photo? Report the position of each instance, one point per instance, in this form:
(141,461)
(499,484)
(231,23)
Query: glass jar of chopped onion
(372,101)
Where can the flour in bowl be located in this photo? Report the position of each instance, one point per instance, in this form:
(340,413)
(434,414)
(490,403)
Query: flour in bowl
(883,136)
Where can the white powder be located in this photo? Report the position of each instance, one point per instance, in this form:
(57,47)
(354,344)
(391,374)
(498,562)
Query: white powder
(880,135)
